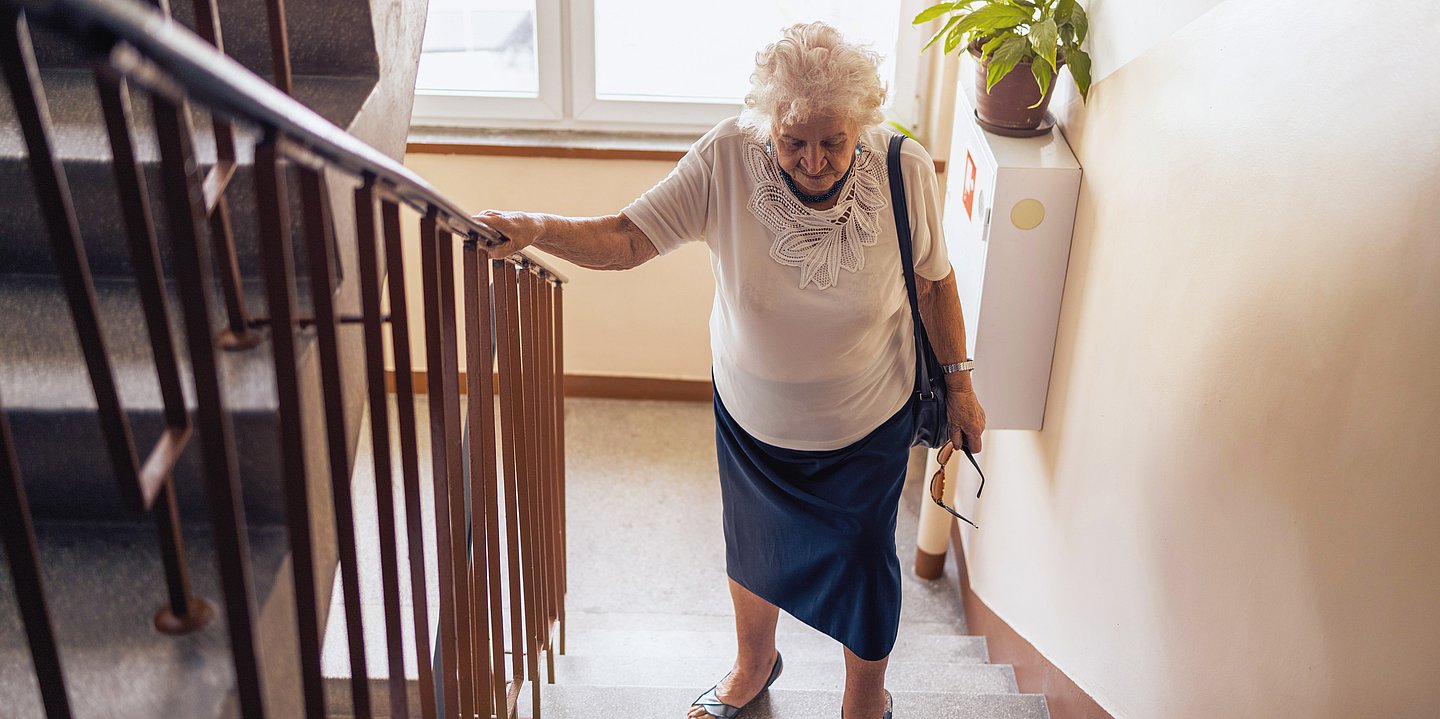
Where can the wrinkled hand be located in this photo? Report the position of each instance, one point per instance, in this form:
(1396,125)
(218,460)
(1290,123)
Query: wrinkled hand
(966,418)
(510,232)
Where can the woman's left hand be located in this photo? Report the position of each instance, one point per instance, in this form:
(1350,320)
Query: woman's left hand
(966,417)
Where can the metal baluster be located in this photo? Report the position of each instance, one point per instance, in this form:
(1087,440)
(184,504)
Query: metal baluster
(507,327)
(559,315)
(279,45)
(409,451)
(217,443)
(476,354)
(553,520)
(319,239)
(450,386)
(441,448)
(278,261)
(24,556)
(368,241)
(238,334)
(185,612)
(529,501)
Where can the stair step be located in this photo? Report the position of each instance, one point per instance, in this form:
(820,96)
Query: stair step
(325,36)
(50,402)
(587,702)
(83,146)
(103,585)
(787,624)
(967,678)
(800,647)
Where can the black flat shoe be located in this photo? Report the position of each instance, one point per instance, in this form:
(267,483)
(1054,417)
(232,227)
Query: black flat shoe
(889,706)
(710,701)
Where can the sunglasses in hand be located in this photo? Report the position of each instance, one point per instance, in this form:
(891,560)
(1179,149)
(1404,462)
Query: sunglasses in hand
(937,481)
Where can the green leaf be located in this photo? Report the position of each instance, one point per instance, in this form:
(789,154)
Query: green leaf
(1063,11)
(1081,22)
(948,26)
(1079,63)
(932,12)
(1042,74)
(953,39)
(992,18)
(1009,54)
(990,46)
(1045,38)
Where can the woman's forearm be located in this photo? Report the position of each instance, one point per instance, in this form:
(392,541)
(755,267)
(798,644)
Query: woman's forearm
(945,325)
(611,242)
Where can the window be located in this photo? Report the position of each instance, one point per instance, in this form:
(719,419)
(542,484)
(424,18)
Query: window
(630,64)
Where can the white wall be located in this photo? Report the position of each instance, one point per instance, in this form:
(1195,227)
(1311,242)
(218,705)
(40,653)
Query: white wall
(1230,511)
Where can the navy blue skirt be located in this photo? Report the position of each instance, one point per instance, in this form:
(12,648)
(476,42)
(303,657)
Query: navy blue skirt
(814,532)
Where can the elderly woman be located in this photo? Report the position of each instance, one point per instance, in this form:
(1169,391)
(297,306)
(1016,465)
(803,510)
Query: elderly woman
(811,337)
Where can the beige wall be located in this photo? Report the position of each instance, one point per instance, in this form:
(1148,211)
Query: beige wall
(651,321)
(1231,510)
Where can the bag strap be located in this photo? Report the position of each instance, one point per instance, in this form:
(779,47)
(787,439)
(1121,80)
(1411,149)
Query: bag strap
(907,262)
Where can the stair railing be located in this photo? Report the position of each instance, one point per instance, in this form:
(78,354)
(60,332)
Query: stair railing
(498,482)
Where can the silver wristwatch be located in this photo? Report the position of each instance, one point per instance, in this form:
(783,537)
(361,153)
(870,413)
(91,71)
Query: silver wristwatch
(968,364)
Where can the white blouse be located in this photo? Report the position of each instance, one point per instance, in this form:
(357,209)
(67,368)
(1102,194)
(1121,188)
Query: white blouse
(810,332)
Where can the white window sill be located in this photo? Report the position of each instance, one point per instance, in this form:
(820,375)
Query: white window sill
(549,143)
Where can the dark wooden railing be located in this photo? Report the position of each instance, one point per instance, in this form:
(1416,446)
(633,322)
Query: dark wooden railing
(499,501)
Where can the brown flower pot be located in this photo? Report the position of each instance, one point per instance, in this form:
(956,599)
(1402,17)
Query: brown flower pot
(1007,105)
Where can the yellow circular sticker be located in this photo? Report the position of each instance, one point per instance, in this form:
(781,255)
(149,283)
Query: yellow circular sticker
(1027,214)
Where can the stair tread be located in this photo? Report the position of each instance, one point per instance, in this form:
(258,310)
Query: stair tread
(50,401)
(114,661)
(969,678)
(79,128)
(639,702)
(911,621)
(813,646)
(42,367)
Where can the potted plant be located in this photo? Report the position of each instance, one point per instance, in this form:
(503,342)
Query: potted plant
(1035,37)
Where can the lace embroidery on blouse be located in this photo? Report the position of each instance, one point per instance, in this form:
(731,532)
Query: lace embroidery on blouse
(819,242)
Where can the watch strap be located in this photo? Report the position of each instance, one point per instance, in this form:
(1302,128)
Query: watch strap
(968,364)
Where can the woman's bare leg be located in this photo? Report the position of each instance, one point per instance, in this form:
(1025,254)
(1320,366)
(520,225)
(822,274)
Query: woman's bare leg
(755,656)
(864,687)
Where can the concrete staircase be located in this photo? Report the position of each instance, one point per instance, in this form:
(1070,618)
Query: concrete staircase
(649,625)
(354,63)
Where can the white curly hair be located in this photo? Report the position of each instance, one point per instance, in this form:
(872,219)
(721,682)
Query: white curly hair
(812,72)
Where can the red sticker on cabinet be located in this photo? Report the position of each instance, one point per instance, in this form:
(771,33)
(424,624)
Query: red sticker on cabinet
(968,193)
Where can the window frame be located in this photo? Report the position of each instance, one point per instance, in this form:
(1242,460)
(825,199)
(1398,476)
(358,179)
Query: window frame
(567,100)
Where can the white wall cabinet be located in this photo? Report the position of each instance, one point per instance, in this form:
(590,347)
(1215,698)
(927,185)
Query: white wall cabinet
(1009,215)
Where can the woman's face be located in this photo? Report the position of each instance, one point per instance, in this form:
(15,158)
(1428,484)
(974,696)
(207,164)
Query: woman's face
(816,153)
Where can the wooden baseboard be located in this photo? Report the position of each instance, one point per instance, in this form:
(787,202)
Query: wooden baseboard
(604,386)
(1033,672)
